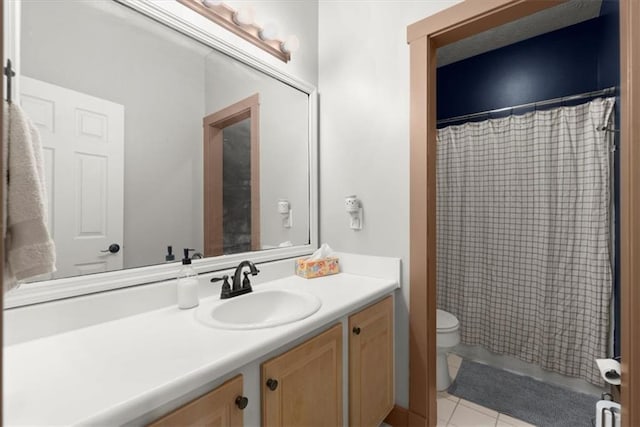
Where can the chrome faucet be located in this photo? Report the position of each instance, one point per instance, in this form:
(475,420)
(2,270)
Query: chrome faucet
(238,288)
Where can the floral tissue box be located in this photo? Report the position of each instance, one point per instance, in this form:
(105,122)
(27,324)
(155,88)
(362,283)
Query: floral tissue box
(318,268)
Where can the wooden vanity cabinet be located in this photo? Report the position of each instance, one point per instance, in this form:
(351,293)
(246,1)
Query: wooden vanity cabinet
(220,407)
(371,383)
(303,387)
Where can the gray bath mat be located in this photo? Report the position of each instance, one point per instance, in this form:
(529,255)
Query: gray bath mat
(522,397)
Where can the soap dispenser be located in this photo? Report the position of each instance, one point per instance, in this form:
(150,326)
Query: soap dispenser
(170,257)
(187,283)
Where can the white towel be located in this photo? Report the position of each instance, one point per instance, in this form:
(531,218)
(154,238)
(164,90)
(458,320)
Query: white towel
(29,250)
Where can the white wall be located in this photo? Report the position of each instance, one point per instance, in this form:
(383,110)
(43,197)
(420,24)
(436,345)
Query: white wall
(364,135)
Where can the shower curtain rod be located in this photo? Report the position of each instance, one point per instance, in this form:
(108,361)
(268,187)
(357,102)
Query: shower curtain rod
(595,93)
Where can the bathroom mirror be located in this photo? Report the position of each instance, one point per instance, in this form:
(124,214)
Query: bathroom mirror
(138,152)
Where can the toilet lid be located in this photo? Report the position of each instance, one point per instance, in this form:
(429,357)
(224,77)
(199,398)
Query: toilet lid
(446,320)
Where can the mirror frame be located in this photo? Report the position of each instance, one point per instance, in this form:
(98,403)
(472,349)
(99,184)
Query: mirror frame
(186,22)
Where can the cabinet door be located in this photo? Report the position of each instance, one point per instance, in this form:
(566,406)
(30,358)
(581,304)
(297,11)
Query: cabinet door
(303,387)
(220,407)
(371,385)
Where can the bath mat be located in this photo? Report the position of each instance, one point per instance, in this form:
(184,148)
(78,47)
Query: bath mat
(523,397)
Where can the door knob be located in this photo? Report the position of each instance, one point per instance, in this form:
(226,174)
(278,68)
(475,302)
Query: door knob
(272,384)
(242,402)
(114,248)
(356,330)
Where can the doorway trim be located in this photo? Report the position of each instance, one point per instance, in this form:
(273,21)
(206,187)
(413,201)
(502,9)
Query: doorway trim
(214,124)
(424,37)
(2,195)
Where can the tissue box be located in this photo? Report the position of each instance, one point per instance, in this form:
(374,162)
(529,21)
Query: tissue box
(318,268)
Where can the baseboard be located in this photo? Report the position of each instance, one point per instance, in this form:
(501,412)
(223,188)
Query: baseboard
(417,420)
(398,417)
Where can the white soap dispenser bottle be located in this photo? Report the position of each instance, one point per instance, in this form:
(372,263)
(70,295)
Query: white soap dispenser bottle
(187,283)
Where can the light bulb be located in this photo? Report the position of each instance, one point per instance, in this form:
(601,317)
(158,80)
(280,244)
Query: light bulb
(291,44)
(269,32)
(211,3)
(244,16)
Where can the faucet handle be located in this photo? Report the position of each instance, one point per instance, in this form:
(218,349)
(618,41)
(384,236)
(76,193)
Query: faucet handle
(245,282)
(225,292)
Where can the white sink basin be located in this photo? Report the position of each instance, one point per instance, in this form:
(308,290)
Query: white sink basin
(259,309)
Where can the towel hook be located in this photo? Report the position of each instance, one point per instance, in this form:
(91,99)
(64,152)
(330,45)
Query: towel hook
(8,71)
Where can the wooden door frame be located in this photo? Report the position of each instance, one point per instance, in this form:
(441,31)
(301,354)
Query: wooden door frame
(424,37)
(214,124)
(2,215)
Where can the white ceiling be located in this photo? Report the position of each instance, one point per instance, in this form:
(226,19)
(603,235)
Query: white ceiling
(564,15)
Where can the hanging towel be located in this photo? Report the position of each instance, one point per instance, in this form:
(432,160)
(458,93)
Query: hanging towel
(29,250)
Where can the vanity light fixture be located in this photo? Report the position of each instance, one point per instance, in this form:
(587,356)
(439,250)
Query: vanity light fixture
(242,23)
(290,45)
(269,31)
(244,16)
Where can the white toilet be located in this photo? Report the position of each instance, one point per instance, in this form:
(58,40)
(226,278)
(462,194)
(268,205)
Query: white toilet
(447,337)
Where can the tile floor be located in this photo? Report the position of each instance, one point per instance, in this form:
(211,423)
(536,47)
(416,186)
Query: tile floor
(456,412)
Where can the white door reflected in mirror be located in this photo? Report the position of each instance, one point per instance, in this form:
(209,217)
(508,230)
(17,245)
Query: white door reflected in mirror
(83,144)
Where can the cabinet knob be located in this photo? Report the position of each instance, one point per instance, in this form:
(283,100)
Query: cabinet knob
(356,330)
(272,384)
(242,402)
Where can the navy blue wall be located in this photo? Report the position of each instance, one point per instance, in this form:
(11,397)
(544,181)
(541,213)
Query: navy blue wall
(572,60)
(609,46)
(576,59)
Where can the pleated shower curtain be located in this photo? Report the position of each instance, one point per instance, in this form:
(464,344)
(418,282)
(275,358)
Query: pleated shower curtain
(523,211)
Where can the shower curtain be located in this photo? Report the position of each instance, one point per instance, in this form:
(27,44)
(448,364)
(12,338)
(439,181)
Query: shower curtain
(523,235)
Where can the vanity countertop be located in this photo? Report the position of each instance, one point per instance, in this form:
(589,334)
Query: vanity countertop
(115,371)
